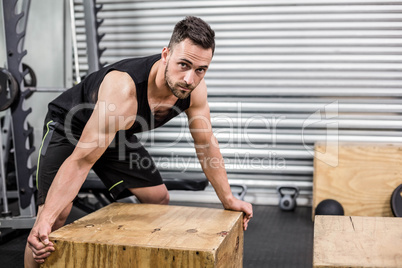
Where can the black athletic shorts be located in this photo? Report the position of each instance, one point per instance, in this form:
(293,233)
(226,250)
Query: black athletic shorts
(122,166)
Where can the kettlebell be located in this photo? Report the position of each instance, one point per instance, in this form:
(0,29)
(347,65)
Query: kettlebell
(288,196)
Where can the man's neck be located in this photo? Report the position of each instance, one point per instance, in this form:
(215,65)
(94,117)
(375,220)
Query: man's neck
(157,88)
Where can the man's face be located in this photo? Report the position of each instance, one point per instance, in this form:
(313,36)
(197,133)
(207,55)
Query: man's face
(186,67)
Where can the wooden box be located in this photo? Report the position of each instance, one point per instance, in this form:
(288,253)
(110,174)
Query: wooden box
(356,241)
(144,235)
(361,176)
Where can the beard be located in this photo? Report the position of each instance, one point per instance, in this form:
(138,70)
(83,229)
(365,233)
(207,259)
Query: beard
(175,87)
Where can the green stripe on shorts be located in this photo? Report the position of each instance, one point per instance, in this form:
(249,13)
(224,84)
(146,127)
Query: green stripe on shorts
(117,183)
(40,150)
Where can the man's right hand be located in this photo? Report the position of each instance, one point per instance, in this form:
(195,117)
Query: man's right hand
(38,242)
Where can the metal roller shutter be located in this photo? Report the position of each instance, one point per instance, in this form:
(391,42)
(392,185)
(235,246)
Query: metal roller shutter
(285,75)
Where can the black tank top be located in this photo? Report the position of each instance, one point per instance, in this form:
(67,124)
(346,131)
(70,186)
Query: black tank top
(73,107)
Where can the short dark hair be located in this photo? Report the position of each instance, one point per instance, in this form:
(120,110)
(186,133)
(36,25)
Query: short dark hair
(197,30)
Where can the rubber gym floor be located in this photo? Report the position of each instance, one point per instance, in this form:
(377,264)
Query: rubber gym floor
(274,238)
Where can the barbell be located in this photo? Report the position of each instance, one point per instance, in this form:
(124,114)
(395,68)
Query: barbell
(9,88)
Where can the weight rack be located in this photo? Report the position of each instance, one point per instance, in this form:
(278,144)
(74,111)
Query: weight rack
(15,123)
(14,90)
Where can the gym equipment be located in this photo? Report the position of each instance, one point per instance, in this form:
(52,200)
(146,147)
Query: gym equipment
(93,38)
(396,201)
(288,195)
(146,235)
(16,120)
(17,83)
(329,207)
(357,241)
(363,179)
(30,77)
(8,89)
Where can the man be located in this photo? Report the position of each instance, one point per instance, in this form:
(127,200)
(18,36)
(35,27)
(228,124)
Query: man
(92,124)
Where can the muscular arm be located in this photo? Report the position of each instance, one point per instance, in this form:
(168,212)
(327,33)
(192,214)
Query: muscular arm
(209,155)
(96,137)
(113,112)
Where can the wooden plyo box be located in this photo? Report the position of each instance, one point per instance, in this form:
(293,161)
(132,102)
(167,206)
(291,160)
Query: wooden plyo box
(361,176)
(144,235)
(356,241)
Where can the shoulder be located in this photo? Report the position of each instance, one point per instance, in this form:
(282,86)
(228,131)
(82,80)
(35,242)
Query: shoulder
(117,94)
(199,95)
(118,83)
